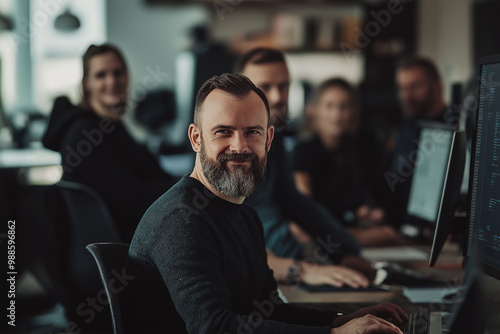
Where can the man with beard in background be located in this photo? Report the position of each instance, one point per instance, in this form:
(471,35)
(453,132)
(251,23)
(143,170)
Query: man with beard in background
(421,98)
(278,202)
(198,258)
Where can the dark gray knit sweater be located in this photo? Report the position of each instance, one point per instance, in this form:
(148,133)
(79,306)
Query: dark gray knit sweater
(200,266)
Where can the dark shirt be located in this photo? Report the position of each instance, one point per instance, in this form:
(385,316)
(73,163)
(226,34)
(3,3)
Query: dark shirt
(101,154)
(339,177)
(201,267)
(278,202)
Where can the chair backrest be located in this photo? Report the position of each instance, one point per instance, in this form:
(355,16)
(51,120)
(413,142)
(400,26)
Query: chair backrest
(111,259)
(89,222)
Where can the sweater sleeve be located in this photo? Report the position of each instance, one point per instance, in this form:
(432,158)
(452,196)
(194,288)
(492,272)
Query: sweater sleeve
(189,261)
(289,313)
(310,215)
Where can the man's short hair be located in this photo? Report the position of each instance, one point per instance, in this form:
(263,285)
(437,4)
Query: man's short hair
(235,84)
(424,63)
(259,56)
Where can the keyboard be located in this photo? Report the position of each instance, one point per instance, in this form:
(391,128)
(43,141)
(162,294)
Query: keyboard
(418,323)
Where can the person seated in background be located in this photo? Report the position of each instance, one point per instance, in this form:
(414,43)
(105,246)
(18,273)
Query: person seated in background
(278,202)
(338,162)
(95,146)
(198,258)
(421,98)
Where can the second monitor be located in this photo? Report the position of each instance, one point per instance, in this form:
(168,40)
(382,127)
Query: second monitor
(432,155)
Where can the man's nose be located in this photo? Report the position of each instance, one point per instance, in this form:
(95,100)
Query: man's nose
(239,143)
(408,93)
(274,95)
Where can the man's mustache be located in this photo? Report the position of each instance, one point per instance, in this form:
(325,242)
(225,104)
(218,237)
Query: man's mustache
(240,157)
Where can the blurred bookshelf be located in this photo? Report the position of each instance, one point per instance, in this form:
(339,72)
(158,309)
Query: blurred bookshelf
(293,27)
(324,38)
(256,2)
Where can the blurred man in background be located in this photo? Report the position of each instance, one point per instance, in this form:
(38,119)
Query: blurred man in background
(278,202)
(421,97)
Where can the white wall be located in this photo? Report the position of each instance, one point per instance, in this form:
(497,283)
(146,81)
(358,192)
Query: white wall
(151,37)
(445,35)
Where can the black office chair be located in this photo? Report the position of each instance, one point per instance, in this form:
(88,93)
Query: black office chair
(89,221)
(111,257)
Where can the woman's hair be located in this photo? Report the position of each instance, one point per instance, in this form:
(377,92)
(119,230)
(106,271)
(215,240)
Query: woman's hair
(92,51)
(335,83)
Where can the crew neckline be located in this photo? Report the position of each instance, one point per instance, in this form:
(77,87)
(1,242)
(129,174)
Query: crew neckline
(213,199)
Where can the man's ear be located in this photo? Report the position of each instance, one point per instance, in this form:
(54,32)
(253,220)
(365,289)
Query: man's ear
(194,135)
(270,137)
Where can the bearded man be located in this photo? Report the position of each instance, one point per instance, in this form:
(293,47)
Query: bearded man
(198,257)
(421,99)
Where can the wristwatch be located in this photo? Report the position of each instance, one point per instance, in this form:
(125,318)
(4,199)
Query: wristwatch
(293,272)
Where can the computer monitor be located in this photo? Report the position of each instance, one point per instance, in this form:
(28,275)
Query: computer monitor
(484,198)
(432,155)
(469,313)
(450,194)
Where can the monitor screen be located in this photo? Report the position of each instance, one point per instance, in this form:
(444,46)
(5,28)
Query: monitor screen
(484,208)
(429,173)
(451,194)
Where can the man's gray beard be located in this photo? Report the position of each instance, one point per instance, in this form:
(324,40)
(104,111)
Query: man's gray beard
(237,183)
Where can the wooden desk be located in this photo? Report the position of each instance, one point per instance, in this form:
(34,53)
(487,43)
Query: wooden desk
(449,267)
(297,295)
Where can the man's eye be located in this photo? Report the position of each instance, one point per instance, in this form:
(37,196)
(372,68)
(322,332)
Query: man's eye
(254,132)
(265,88)
(100,75)
(223,132)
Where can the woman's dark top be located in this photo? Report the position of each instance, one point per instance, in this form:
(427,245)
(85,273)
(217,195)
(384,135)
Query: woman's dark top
(101,154)
(200,266)
(345,178)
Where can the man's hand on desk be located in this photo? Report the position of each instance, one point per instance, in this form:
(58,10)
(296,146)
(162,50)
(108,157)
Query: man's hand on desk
(378,235)
(313,274)
(370,216)
(366,325)
(290,270)
(359,264)
(384,310)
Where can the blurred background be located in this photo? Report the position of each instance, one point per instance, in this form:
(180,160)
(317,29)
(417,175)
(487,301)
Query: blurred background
(172,46)
(41,44)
